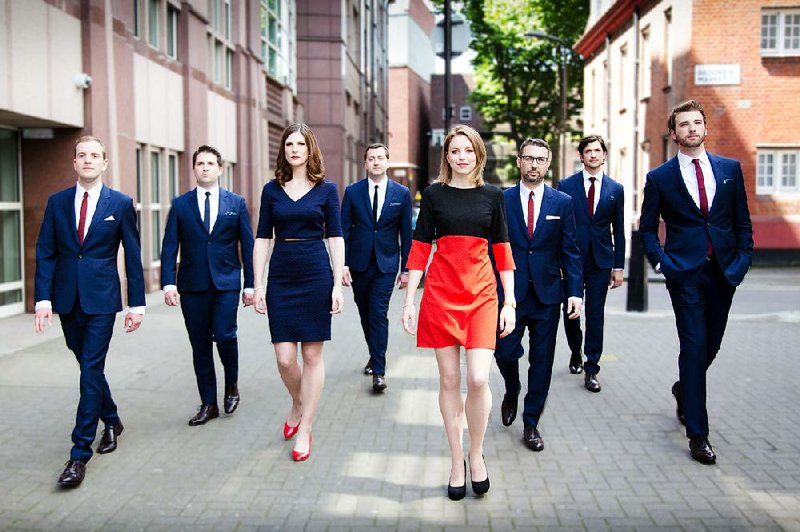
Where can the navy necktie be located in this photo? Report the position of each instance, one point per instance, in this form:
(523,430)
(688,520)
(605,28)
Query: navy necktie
(207,213)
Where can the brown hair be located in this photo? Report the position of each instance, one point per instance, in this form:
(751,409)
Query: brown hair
(585,141)
(315,167)
(534,142)
(90,138)
(375,146)
(207,149)
(688,105)
(445,172)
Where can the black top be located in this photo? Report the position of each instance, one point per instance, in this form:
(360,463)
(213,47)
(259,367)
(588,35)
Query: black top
(451,211)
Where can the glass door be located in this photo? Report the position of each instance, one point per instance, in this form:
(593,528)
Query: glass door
(12,297)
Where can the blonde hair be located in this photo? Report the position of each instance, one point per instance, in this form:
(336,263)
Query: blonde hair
(445,172)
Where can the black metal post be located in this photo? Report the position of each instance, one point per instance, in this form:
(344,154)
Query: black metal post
(637,276)
(448,78)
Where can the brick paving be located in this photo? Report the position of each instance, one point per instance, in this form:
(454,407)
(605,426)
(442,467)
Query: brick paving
(616,460)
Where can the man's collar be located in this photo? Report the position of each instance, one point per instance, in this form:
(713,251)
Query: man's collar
(686,160)
(537,190)
(587,175)
(382,183)
(214,190)
(93,192)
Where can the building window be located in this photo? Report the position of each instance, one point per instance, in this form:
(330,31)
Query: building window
(174,179)
(465,112)
(668,46)
(777,171)
(780,32)
(137,18)
(226,178)
(621,81)
(155,204)
(152,23)
(172,32)
(139,185)
(220,48)
(12,282)
(278,40)
(645,65)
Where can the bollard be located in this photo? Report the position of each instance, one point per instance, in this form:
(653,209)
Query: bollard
(637,276)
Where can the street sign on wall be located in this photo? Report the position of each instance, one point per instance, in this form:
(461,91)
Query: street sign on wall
(717,74)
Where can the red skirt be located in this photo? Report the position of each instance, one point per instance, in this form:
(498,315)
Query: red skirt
(459,302)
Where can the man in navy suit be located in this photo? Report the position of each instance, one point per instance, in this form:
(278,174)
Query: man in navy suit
(706,254)
(211,228)
(376,222)
(599,205)
(541,230)
(77,277)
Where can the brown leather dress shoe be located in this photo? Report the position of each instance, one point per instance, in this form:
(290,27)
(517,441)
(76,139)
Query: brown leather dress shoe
(108,442)
(590,382)
(206,413)
(73,474)
(533,440)
(378,383)
(231,398)
(508,409)
(676,393)
(701,450)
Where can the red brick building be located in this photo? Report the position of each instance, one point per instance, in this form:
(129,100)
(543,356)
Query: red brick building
(740,59)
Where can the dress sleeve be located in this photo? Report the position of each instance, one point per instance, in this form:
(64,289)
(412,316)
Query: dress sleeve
(265,214)
(333,219)
(424,233)
(499,236)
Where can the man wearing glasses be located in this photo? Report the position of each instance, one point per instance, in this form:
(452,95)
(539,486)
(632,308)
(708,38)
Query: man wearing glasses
(541,230)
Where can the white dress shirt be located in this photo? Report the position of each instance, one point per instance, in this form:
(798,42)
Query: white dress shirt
(689,175)
(524,193)
(213,199)
(382,186)
(598,183)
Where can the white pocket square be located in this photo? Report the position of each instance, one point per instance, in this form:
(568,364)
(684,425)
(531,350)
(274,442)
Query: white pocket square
(109,219)
(394,204)
(552,217)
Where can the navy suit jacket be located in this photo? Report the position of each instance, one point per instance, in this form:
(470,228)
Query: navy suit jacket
(362,234)
(597,230)
(66,269)
(207,258)
(686,245)
(552,249)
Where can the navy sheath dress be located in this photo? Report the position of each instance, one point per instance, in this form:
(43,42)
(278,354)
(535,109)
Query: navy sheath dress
(300,278)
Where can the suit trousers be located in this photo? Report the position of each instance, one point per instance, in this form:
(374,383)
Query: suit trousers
(701,313)
(542,323)
(372,290)
(595,290)
(210,317)
(88,337)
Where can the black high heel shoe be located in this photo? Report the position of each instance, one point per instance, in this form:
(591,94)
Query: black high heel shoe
(482,486)
(456,493)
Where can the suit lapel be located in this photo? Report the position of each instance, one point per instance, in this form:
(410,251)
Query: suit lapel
(103,204)
(541,216)
(390,190)
(675,169)
(516,209)
(222,208)
(718,177)
(580,191)
(69,212)
(605,193)
(364,193)
(195,207)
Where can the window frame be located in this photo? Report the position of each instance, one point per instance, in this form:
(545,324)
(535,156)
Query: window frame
(780,49)
(778,174)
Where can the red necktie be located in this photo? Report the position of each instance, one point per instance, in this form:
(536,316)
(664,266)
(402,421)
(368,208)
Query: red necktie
(591,195)
(82,220)
(701,187)
(530,216)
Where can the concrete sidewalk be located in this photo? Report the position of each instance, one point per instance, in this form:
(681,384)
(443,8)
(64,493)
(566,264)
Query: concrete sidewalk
(614,460)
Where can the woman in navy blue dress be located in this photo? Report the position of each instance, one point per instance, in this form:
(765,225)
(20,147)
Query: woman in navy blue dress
(299,210)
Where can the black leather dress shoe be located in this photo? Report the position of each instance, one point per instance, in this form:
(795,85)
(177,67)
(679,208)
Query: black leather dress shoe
(378,383)
(108,442)
(368,368)
(508,409)
(676,392)
(205,413)
(701,450)
(73,474)
(231,398)
(533,440)
(590,382)
(575,364)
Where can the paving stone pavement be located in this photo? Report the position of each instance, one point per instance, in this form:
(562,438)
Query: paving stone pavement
(616,460)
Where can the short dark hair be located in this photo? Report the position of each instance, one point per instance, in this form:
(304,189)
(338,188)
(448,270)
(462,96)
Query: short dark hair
(683,107)
(585,141)
(90,138)
(534,142)
(375,146)
(207,149)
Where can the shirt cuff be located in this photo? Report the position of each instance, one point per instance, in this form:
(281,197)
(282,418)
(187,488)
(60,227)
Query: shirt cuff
(616,269)
(574,299)
(249,291)
(44,303)
(658,268)
(136,310)
(170,288)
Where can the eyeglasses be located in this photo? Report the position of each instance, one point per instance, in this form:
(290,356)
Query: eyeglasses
(530,159)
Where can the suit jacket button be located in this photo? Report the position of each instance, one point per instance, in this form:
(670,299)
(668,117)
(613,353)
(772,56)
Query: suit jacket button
(530,252)
(80,256)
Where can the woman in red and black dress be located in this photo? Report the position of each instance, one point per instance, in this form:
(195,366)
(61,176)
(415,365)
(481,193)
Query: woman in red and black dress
(459,304)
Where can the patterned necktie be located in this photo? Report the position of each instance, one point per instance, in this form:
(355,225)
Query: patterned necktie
(530,216)
(591,196)
(701,188)
(375,205)
(82,220)
(207,213)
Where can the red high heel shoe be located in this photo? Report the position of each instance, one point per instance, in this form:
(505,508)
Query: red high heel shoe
(297,456)
(289,431)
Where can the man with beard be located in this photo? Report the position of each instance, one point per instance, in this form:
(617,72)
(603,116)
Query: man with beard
(599,205)
(706,254)
(541,230)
